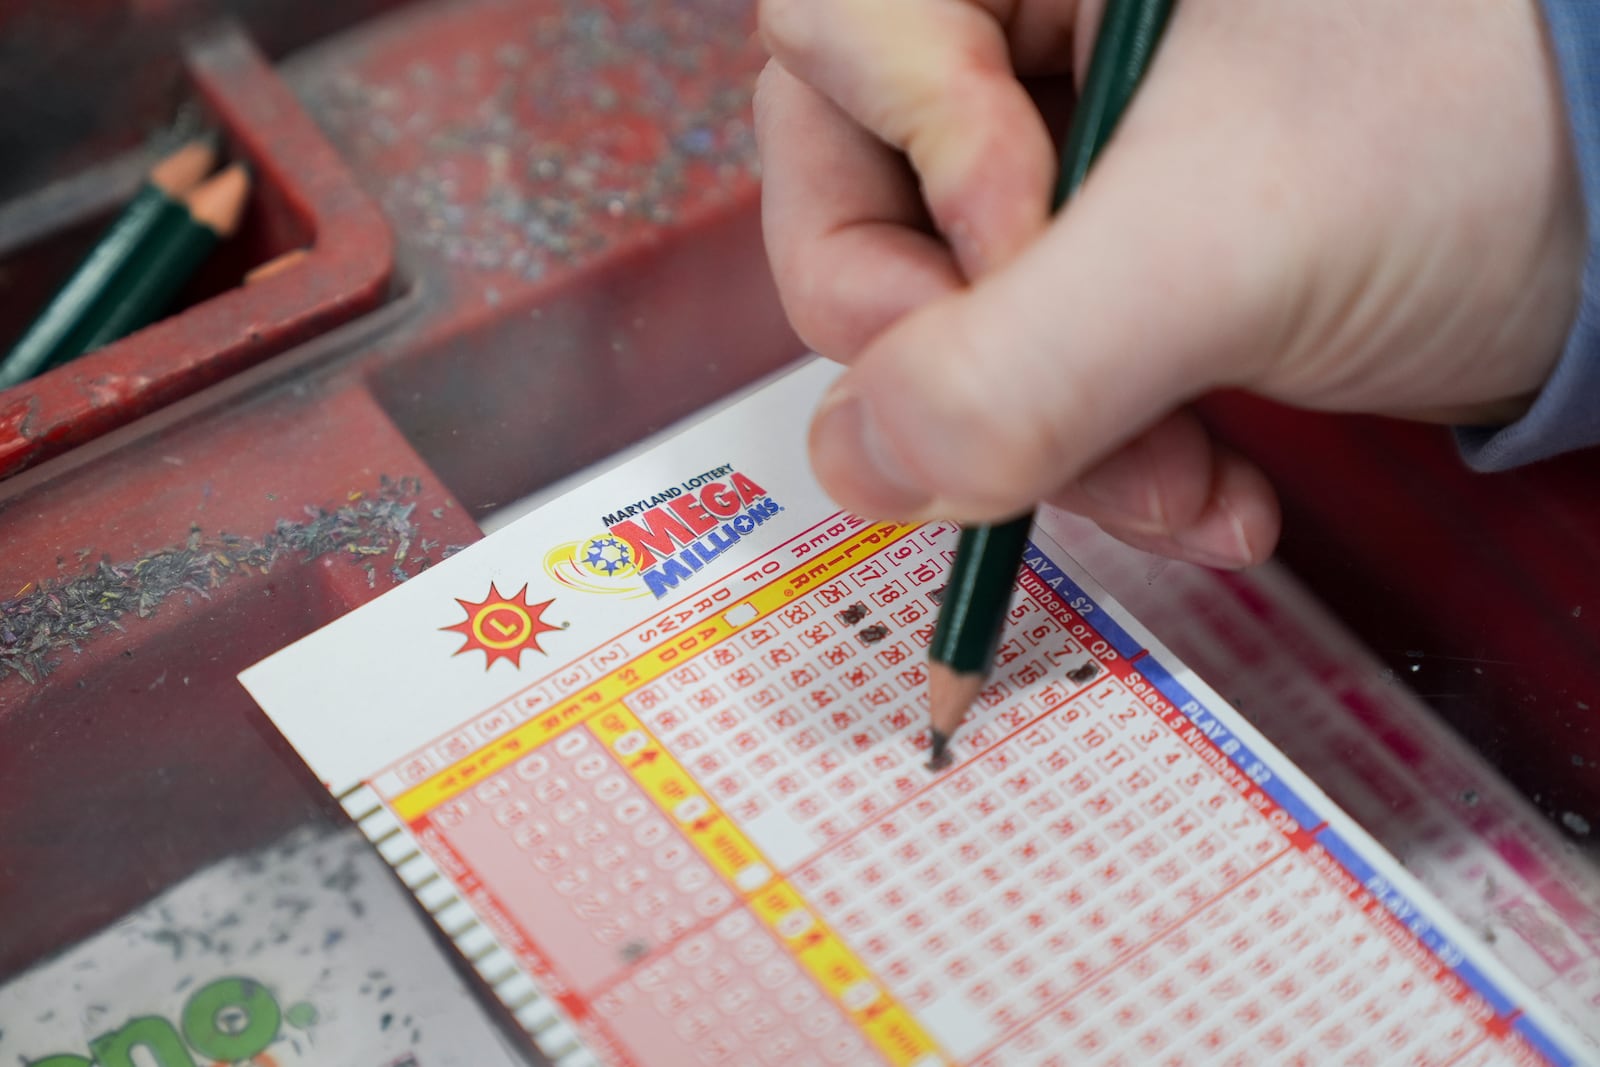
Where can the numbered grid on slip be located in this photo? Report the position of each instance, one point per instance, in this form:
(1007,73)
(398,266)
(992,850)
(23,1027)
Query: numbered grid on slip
(633,919)
(805,770)
(810,722)
(1306,987)
(733,996)
(1082,826)
(1085,878)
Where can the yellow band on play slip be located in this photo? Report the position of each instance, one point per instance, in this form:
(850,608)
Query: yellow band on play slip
(644,669)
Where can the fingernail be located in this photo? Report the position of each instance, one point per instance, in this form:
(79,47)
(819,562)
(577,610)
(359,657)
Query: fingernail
(853,459)
(1119,485)
(1218,544)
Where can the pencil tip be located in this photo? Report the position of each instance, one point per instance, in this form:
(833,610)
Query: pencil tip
(950,694)
(181,171)
(219,202)
(938,750)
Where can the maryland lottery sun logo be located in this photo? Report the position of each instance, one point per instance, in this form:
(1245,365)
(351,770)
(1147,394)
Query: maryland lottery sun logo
(503,627)
(651,545)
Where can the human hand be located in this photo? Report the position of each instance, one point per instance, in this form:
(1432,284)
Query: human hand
(1365,206)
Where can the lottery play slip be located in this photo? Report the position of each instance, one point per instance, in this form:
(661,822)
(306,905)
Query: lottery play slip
(653,757)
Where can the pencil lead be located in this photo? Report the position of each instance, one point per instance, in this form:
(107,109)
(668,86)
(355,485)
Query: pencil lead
(950,694)
(181,171)
(938,750)
(219,202)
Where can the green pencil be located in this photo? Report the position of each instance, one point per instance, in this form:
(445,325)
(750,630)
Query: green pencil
(209,212)
(60,330)
(987,557)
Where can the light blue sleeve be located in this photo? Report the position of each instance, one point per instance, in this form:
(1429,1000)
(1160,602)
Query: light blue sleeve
(1566,415)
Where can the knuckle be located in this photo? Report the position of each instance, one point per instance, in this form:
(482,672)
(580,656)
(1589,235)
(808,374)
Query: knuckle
(770,83)
(786,27)
(809,326)
(793,277)
(808,298)
(917,111)
(1016,436)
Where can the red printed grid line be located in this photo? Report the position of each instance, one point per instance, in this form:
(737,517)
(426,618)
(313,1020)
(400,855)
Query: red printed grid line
(1464,1053)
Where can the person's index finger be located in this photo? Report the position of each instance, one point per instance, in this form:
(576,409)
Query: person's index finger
(846,231)
(934,79)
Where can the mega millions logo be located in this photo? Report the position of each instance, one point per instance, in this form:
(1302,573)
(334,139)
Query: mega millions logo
(651,545)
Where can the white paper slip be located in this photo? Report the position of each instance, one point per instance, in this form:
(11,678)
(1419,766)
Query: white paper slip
(664,739)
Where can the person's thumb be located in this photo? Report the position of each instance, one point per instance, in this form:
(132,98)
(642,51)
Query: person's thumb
(1166,276)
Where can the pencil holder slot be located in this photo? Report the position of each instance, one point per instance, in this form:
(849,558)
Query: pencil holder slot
(311,251)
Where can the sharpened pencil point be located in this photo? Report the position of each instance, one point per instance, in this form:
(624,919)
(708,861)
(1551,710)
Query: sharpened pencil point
(950,694)
(219,201)
(938,750)
(182,170)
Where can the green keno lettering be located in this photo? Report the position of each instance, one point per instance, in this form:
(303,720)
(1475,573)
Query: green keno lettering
(229,1020)
(148,1032)
(211,1023)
